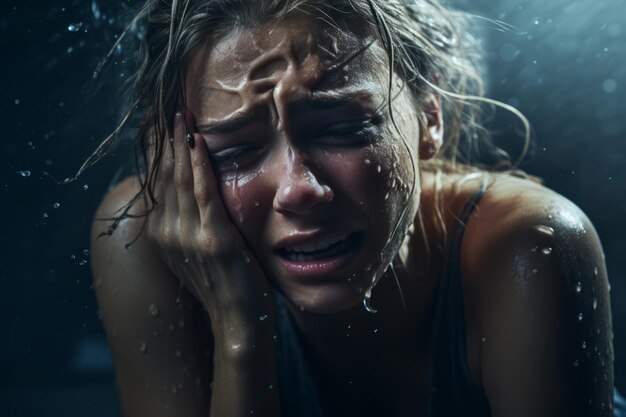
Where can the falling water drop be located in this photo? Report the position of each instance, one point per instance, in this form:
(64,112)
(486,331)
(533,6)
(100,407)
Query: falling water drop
(580,317)
(579,287)
(74,27)
(367,300)
(595,303)
(546,251)
(154,311)
(56,205)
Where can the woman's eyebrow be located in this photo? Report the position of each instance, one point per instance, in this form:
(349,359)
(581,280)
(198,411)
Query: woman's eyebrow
(231,124)
(331,99)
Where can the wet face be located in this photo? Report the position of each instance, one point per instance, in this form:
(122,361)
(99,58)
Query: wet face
(311,168)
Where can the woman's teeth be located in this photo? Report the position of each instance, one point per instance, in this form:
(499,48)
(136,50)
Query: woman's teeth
(324,248)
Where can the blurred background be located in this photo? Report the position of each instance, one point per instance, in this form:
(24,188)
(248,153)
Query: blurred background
(563,65)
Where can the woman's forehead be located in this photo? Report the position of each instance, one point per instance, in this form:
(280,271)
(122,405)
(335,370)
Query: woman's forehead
(298,55)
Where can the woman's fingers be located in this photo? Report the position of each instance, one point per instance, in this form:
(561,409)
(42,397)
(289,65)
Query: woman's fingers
(183,176)
(204,182)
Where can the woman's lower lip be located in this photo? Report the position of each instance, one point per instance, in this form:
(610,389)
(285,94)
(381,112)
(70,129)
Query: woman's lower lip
(320,268)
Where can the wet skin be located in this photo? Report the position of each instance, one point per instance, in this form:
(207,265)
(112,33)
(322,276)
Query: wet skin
(295,117)
(299,171)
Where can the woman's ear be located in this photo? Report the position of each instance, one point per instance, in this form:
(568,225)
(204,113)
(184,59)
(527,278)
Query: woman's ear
(431,133)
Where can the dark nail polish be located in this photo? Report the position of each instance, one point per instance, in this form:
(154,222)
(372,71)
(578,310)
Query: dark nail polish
(191,141)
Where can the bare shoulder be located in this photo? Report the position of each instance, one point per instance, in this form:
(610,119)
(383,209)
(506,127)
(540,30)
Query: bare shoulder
(159,338)
(520,216)
(536,294)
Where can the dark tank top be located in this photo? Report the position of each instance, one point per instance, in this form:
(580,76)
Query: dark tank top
(452,390)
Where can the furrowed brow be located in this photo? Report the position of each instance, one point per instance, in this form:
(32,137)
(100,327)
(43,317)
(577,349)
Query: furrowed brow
(231,124)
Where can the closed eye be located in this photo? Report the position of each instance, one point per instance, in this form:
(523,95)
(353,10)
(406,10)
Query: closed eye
(349,132)
(238,156)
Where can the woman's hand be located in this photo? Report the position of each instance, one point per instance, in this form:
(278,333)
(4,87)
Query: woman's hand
(198,241)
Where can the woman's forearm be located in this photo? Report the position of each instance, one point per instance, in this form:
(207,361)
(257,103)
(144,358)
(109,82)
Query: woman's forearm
(244,376)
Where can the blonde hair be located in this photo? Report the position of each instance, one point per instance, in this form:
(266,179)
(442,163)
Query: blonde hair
(427,44)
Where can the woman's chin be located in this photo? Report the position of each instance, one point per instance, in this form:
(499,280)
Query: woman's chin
(327,299)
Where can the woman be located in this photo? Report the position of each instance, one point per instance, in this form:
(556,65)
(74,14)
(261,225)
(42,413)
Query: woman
(299,179)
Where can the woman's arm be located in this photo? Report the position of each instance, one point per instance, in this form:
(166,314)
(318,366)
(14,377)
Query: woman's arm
(162,349)
(537,278)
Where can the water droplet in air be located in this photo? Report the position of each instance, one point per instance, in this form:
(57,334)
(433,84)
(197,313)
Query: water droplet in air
(186,260)
(367,162)
(378,168)
(580,317)
(579,287)
(484,339)
(143,348)
(263,317)
(74,27)
(270,386)
(154,311)
(584,345)
(83,262)
(24,173)
(56,205)
(546,251)
(85,187)
(595,304)
(575,363)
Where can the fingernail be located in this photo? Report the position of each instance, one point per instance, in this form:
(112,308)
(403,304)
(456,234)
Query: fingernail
(191,141)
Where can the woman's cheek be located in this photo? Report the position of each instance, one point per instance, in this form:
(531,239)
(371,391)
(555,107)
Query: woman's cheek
(242,196)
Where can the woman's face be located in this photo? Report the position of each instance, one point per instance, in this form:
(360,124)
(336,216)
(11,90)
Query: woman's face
(310,166)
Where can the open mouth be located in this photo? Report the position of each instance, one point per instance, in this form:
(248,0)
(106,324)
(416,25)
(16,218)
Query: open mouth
(320,250)
(319,258)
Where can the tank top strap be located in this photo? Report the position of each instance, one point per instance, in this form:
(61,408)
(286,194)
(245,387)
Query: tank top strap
(452,390)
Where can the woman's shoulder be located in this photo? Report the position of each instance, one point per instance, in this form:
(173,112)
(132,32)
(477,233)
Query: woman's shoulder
(536,294)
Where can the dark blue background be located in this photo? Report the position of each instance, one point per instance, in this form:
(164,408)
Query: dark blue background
(564,66)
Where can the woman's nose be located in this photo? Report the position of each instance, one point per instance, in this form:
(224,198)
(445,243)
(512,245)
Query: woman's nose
(299,190)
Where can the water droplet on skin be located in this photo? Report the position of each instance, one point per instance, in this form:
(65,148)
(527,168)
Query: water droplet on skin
(378,168)
(236,346)
(595,271)
(154,311)
(547,230)
(546,251)
(186,260)
(143,348)
(579,287)
(367,162)
(484,339)
(580,317)
(24,173)
(83,262)
(595,304)
(263,317)
(534,249)
(56,205)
